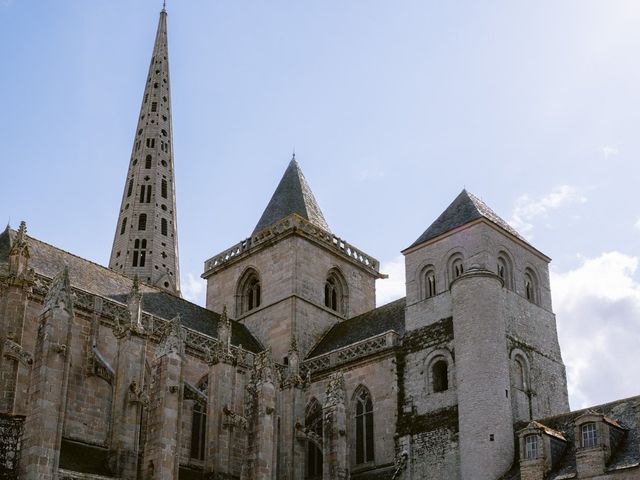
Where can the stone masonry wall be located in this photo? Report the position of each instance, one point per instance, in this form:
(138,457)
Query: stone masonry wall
(378,375)
(10,436)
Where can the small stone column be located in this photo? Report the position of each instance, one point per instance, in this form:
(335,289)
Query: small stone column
(15,362)
(129,395)
(161,458)
(48,386)
(334,429)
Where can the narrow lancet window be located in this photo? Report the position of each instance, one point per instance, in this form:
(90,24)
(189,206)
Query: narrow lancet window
(364,427)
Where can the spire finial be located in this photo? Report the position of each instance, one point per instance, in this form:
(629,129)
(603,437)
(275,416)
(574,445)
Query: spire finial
(293,155)
(164,5)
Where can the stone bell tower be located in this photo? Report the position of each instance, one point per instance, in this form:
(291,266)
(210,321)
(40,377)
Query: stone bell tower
(146,237)
(292,278)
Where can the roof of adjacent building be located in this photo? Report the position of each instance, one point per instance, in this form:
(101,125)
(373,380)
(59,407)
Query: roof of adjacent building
(625,455)
(48,261)
(464,209)
(367,325)
(293,195)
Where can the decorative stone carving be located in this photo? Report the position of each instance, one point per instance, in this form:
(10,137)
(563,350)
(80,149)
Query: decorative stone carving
(60,294)
(233,419)
(172,339)
(304,433)
(335,389)
(14,350)
(136,394)
(19,270)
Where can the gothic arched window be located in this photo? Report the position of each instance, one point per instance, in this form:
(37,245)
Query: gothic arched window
(313,427)
(199,424)
(147,161)
(249,292)
(142,221)
(335,291)
(198,431)
(364,427)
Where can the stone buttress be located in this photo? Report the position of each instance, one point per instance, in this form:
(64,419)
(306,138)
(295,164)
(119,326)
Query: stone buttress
(48,384)
(161,460)
(15,361)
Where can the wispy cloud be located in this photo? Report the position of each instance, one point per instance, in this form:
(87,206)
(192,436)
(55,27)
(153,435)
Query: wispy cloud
(391,288)
(528,209)
(193,289)
(609,152)
(637,224)
(598,313)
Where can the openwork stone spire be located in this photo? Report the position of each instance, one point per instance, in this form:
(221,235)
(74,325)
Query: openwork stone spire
(146,239)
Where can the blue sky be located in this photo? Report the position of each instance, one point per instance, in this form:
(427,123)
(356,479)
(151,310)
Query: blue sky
(392,107)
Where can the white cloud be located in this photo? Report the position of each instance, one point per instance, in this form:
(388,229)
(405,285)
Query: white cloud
(391,288)
(193,289)
(598,314)
(528,209)
(637,224)
(609,152)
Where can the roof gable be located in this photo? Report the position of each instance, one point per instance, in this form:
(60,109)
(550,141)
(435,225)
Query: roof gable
(293,195)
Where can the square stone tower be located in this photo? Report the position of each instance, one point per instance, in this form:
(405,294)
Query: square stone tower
(292,278)
(471,267)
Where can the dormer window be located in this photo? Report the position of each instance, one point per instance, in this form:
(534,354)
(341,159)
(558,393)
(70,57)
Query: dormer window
(531,447)
(589,435)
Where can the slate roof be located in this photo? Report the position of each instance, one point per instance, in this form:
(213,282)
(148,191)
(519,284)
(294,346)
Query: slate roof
(48,261)
(464,209)
(627,453)
(374,322)
(293,195)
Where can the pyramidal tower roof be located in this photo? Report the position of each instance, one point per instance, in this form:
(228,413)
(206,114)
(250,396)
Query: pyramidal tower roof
(292,195)
(146,238)
(464,209)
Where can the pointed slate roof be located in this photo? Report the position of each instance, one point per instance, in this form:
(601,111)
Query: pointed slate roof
(464,209)
(292,195)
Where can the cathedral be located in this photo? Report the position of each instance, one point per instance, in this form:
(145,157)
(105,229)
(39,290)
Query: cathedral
(290,372)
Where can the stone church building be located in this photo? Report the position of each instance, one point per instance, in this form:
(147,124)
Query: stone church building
(290,372)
